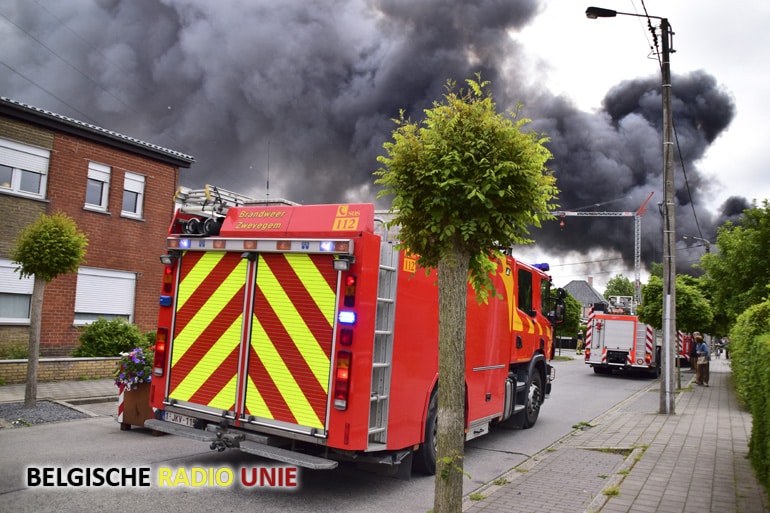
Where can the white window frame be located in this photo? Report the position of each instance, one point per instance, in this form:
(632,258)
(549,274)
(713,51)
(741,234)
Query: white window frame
(11,284)
(106,293)
(134,183)
(99,173)
(22,158)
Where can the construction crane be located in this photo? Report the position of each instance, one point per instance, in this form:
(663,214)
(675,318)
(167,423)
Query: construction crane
(637,237)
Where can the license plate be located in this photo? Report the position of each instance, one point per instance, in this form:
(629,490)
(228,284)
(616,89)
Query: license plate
(179,419)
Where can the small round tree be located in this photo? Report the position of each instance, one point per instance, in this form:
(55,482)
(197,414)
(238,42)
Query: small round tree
(466,182)
(50,246)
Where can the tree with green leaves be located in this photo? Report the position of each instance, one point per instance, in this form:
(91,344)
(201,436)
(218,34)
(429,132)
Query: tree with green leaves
(619,286)
(738,272)
(465,182)
(693,310)
(50,246)
(571,323)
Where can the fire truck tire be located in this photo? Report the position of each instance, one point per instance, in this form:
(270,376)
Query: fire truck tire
(534,400)
(655,371)
(424,459)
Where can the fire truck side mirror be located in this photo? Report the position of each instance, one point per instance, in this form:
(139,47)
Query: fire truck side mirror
(561,310)
(557,315)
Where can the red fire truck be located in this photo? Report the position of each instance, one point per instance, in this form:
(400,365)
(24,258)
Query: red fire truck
(619,341)
(303,335)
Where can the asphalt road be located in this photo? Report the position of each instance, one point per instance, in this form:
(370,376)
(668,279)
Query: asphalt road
(578,395)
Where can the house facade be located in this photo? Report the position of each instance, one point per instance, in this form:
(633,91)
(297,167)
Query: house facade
(118,190)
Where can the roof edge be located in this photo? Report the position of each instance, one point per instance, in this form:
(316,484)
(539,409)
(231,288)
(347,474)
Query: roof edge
(72,126)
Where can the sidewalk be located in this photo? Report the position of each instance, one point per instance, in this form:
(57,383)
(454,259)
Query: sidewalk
(692,462)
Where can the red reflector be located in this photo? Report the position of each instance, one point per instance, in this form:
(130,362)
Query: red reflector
(283,245)
(346,336)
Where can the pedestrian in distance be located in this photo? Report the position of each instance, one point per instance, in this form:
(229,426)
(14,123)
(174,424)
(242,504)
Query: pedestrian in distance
(704,357)
(579,347)
(726,346)
(693,354)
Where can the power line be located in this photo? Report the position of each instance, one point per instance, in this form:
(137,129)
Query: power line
(128,110)
(22,75)
(588,262)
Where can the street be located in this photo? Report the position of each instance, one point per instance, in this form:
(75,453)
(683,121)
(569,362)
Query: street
(578,396)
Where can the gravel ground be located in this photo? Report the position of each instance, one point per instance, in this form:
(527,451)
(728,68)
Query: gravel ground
(15,414)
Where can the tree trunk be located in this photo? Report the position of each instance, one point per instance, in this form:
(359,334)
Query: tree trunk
(452,293)
(35,319)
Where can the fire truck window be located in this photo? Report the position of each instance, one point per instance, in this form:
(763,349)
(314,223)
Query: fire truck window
(545,293)
(525,290)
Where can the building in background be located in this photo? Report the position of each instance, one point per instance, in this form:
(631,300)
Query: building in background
(119,191)
(585,294)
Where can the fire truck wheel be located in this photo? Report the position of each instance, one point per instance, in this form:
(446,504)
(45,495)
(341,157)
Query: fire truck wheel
(424,459)
(534,400)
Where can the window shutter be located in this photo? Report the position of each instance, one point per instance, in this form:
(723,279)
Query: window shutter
(103,291)
(25,157)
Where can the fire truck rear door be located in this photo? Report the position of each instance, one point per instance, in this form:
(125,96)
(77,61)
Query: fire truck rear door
(207,331)
(253,337)
(292,327)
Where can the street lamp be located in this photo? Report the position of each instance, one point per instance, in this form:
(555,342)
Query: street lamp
(667,397)
(707,243)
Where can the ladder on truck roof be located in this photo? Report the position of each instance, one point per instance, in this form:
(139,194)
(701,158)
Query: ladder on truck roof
(213,201)
(382,354)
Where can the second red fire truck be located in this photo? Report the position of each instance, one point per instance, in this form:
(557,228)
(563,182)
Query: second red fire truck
(619,341)
(303,335)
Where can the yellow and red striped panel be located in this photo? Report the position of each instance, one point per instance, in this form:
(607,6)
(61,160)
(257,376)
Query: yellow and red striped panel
(291,337)
(208,327)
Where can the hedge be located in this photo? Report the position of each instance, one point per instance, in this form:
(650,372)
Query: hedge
(750,354)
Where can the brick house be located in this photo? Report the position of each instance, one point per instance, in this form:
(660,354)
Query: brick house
(119,191)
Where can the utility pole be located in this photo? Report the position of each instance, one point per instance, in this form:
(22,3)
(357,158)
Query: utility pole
(667,392)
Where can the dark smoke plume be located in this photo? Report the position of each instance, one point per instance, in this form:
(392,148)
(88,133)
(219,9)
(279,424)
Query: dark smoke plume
(610,161)
(300,93)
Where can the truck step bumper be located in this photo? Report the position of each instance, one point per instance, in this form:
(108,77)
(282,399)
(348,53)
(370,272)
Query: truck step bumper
(266,451)
(293,458)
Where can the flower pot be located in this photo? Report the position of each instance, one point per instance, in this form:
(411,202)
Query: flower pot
(135,407)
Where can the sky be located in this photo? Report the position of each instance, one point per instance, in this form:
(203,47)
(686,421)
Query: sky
(294,99)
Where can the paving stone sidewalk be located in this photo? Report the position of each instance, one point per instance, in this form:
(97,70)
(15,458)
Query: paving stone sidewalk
(633,459)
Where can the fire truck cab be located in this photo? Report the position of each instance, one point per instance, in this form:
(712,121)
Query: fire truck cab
(303,334)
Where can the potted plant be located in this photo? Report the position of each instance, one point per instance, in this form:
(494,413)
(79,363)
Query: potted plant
(133,375)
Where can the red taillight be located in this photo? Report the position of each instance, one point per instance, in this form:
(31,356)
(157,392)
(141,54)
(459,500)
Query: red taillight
(346,336)
(342,380)
(168,278)
(350,290)
(159,362)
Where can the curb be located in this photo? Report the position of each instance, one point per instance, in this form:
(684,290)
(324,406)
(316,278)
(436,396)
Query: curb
(617,478)
(74,404)
(511,475)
